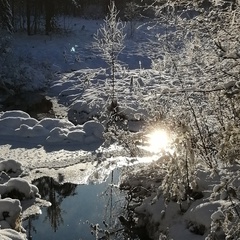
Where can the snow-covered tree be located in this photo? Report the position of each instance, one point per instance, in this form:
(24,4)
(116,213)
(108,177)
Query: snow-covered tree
(198,48)
(132,13)
(110,41)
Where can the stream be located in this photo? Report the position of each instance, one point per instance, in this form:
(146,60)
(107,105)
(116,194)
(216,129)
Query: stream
(80,212)
(77,212)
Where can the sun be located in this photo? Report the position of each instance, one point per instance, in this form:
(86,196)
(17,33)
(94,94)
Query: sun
(158,140)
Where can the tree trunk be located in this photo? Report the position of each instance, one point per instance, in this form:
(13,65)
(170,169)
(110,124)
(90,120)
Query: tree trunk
(6,15)
(49,11)
(28,12)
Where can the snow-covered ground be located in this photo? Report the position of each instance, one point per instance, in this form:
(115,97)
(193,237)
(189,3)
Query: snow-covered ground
(57,147)
(30,148)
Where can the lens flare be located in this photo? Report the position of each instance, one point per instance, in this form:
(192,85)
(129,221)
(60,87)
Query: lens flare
(158,140)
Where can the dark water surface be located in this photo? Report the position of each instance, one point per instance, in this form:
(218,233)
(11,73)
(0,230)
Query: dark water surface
(76,209)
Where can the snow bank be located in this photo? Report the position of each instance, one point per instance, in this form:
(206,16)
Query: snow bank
(185,220)
(10,234)
(10,210)
(13,193)
(14,113)
(20,124)
(21,186)
(200,213)
(10,166)
(80,112)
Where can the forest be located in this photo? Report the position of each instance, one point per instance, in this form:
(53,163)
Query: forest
(34,15)
(122,73)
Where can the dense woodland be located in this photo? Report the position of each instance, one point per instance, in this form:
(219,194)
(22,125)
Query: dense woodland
(36,15)
(40,16)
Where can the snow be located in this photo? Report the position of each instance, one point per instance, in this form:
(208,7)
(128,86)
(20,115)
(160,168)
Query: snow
(10,234)
(65,146)
(201,213)
(49,130)
(20,185)
(10,165)
(218,215)
(10,210)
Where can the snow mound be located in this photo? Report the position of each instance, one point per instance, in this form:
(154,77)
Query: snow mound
(10,234)
(80,112)
(57,135)
(50,130)
(20,185)
(10,210)
(14,113)
(77,135)
(93,128)
(10,165)
(50,123)
(201,214)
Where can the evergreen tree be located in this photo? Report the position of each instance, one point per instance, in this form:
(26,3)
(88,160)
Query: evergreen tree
(110,41)
(5,15)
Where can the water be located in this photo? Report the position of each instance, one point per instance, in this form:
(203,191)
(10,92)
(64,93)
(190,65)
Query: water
(76,209)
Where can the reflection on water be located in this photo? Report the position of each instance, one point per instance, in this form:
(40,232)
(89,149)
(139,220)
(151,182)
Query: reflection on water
(54,193)
(78,212)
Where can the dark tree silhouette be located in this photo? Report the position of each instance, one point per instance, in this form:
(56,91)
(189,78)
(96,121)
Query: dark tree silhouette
(49,14)
(5,15)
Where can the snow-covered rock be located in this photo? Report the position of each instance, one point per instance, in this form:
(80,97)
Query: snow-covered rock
(10,165)
(10,234)
(201,213)
(80,112)
(94,128)
(10,210)
(16,122)
(218,215)
(4,177)
(132,114)
(50,130)
(22,186)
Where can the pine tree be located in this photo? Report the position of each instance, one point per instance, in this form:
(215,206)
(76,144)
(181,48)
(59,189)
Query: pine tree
(110,41)
(5,16)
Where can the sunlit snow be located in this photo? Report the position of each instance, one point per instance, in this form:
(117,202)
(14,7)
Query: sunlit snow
(71,145)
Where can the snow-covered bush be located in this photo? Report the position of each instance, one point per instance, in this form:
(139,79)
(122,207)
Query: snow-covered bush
(19,76)
(110,41)
(181,165)
(204,60)
(198,49)
(226,221)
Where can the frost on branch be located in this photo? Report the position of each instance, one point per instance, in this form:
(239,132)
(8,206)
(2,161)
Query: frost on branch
(109,40)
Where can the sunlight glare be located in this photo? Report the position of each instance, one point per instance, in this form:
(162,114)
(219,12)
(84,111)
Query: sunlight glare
(158,140)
